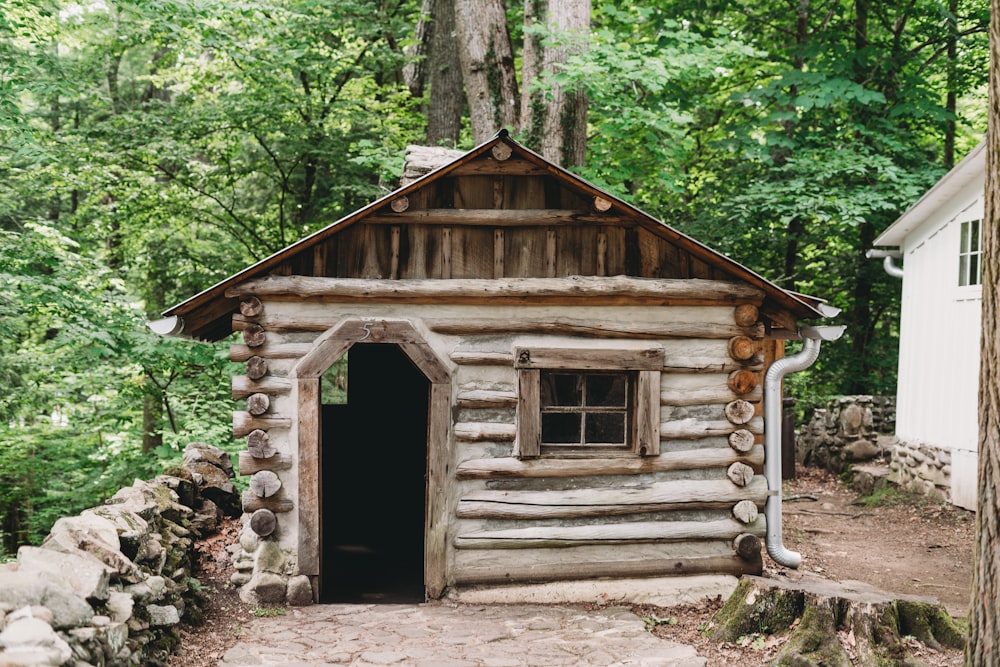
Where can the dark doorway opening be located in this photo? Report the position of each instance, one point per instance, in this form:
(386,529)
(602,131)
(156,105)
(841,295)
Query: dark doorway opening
(374,462)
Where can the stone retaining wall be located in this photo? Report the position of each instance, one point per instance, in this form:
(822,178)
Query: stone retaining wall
(109,587)
(850,430)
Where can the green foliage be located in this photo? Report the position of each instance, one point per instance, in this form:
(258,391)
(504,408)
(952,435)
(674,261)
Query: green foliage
(149,149)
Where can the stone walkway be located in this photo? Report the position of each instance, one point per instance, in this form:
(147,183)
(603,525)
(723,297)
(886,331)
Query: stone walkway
(449,635)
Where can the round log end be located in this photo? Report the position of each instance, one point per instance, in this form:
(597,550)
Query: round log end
(254,335)
(740,474)
(263,522)
(400,204)
(747,546)
(745,511)
(746,315)
(250,306)
(742,382)
(265,483)
(259,444)
(739,411)
(601,204)
(742,348)
(741,440)
(501,152)
(258,404)
(256,367)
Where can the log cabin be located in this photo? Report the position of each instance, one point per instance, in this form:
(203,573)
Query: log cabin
(543,384)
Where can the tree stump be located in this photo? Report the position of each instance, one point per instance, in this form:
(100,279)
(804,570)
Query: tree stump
(834,624)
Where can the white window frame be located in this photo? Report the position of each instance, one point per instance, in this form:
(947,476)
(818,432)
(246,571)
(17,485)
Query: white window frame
(970,253)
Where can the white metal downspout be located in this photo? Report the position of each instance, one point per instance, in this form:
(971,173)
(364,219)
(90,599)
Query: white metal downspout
(888,257)
(811,337)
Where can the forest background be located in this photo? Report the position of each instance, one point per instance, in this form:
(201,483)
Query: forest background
(150,148)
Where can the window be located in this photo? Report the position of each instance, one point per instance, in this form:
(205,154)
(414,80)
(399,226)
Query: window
(588,402)
(970,254)
(585,409)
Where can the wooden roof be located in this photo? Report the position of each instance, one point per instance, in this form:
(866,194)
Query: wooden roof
(568,203)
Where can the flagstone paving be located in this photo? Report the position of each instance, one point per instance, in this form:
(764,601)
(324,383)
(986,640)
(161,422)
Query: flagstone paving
(449,635)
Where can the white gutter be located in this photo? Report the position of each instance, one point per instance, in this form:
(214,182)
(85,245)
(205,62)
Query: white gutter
(171,327)
(811,337)
(887,263)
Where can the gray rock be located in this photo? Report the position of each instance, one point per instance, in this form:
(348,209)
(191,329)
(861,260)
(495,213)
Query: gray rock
(300,592)
(861,450)
(270,557)
(161,615)
(31,637)
(264,588)
(87,576)
(199,451)
(36,611)
(167,502)
(150,590)
(207,516)
(239,578)
(132,528)
(94,535)
(249,540)
(137,501)
(116,636)
(181,483)
(20,589)
(119,606)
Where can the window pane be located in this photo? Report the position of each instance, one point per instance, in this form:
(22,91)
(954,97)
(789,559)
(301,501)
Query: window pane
(963,270)
(561,389)
(974,236)
(560,428)
(606,390)
(606,428)
(964,244)
(974,277)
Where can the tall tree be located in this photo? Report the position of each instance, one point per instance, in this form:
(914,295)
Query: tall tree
(444,108)
(983,649)
(554,111)
(488,71)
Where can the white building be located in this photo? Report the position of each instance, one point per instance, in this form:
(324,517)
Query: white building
(938,239)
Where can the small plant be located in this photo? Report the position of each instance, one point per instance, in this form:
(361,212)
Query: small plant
(891,495)
(268,612)
(756,641)
(653,620)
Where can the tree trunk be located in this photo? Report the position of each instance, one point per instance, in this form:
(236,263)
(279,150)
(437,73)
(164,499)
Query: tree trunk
(152,415)
(951,78)
(552,118)
(417,61)
(444,111)
(817,613)
(984,615)
(487,59)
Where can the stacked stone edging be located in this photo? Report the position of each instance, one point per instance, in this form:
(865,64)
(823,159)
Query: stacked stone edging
(108,587)
(922,468)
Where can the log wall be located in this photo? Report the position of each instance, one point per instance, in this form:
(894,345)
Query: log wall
(518,520)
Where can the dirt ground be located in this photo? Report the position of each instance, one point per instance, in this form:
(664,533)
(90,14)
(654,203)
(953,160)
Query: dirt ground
(901,543)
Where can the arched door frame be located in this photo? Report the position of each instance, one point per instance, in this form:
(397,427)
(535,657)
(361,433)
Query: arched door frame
(327,349)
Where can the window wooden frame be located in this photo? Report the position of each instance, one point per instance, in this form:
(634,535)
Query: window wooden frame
(644,364)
